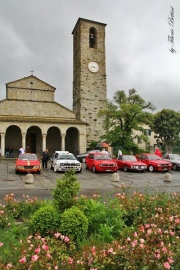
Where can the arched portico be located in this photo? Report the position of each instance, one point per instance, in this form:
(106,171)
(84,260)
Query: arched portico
(53,140)
(72,140)
(33,142)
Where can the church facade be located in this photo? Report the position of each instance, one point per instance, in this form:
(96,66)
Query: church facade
(30,117)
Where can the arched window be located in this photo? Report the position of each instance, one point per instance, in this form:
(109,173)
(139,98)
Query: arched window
(92,38)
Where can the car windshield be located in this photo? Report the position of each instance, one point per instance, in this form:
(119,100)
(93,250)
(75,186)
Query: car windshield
(175,157)
(102,157)
(131,158)
(27,157)
(153,157)
(67,156)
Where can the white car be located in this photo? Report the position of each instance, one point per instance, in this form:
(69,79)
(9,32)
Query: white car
(62,161)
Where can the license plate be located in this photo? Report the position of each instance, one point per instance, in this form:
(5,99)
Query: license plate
(108,170)
(165,169)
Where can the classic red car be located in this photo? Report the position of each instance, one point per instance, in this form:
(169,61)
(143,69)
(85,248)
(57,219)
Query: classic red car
(99,162)
(154,162)
(27,163)
(129,162)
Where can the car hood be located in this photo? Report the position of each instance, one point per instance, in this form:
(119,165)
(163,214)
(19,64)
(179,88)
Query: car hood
(27,163)
(74,161)
(161,162)
(105,161)
(137,163)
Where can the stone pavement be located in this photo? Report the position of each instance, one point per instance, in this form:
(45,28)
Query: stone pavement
(90,182)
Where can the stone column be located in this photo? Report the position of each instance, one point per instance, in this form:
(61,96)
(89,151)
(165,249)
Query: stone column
(24,140)
(63,142)
(3,144)
(44,142)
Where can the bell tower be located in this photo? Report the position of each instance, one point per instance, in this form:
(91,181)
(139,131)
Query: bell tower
(89,75)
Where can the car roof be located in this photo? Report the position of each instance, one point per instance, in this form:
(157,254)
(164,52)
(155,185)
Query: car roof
(62,152)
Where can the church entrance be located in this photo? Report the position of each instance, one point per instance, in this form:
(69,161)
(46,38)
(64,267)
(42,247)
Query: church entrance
(34,140)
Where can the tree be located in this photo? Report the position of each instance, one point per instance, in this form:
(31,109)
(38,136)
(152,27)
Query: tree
(166,125)
(124,115)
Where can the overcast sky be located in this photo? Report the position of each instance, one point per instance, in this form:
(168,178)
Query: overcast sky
(36,34)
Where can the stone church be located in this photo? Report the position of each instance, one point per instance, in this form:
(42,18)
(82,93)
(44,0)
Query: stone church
(31,118)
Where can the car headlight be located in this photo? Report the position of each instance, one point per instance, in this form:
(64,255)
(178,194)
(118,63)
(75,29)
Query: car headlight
(36,167)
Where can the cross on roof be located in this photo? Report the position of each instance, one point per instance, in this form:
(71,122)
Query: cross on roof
(32,71)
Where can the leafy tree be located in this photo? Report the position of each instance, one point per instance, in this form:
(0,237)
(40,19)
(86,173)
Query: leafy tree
(166,125)
(124,115)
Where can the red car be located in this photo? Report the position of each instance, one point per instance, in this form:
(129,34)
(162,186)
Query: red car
(129,162)
(154,162)
(99,162)
(27,163)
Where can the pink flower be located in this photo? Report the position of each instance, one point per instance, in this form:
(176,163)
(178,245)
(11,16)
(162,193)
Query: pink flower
(45,247)
(170,260)
(141,240)
(57,235)
(56,267)
(48,255)
(23,260)
(66,239)
(111,251)
(177,220)
(34,258)
(133,244)
(128,239)
(135,234)
(9,265)
(171,218)
(1,244)
(93,250)
(167,265)
(37,250)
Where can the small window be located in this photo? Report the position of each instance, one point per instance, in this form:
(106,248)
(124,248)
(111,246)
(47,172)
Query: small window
(92,38)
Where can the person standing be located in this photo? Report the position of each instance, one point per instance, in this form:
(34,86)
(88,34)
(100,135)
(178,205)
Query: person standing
(45,158)
(7,152)
(21,150)
(11,151)
(119,154)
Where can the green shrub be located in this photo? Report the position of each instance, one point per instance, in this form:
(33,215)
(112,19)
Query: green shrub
(105,218)
(65,192)
(45,220)
(74,223)
(22,209)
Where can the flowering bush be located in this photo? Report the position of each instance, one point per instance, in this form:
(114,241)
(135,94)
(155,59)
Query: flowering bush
(149,239)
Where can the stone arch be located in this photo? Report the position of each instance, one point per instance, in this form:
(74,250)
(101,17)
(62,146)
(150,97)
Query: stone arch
(72,140)
(34,140)
(13,139)
(92,37)
(53,140)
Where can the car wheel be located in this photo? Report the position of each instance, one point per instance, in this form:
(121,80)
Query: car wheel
(125,168)
(83,159)
(51,167)
(55,169)
(16,172)
(94,169)
(174,167)
(151,168)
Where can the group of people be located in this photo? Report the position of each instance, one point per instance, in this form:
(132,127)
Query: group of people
(9,152)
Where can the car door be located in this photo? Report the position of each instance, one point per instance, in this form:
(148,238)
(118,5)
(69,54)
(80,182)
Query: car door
(90,161)
(144,159)
(120,162)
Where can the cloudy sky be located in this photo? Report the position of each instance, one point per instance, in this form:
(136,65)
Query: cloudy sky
(36,34)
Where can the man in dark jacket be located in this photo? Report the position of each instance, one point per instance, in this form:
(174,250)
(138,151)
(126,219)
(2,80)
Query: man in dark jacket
(45,158)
